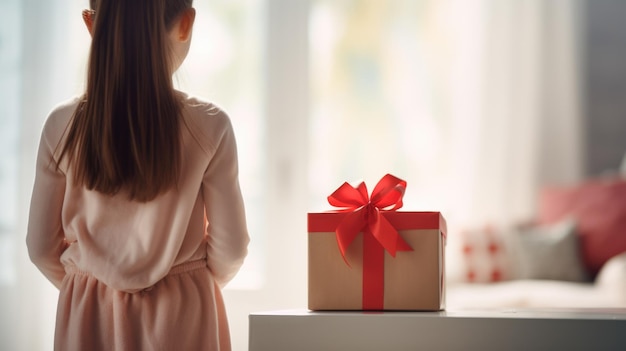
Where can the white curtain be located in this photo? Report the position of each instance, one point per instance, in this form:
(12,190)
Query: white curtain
(517,106)
(506,120)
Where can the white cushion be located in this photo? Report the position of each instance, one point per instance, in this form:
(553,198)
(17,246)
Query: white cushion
(612,277)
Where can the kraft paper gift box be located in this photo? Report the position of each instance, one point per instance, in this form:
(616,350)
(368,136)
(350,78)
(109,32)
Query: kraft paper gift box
(368,256)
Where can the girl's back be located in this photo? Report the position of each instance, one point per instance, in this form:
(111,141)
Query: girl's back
(139,255)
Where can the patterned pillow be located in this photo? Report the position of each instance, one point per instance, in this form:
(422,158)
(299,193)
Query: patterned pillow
(491,255)
(486,256)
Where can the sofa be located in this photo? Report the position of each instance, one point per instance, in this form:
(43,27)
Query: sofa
(573,255)
(608,290)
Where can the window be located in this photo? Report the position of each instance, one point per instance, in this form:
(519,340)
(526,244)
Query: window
(376,102)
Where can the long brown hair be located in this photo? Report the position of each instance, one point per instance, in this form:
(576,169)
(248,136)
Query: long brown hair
(124,133)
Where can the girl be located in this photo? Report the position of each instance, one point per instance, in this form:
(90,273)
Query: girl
(136,214)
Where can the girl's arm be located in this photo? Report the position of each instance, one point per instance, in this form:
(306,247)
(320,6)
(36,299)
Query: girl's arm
(227,232)
(45,238)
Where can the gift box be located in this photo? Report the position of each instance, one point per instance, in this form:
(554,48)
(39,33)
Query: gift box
(368,256)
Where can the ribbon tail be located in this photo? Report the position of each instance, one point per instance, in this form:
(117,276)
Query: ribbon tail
(386,234)
(348,230)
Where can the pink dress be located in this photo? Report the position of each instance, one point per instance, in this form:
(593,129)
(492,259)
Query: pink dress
(142,276)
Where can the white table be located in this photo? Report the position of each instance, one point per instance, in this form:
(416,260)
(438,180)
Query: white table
(514,329)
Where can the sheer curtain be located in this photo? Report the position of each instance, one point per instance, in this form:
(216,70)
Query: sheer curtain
(474,103)
(516,115)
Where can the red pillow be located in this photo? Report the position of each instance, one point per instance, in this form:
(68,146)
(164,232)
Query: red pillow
(599,208)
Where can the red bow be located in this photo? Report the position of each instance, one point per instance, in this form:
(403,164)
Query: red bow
(365,213)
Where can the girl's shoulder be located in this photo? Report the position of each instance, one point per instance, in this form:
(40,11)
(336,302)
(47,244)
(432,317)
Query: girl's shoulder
(58,119)
(62,112)
(206,121)
(202,110)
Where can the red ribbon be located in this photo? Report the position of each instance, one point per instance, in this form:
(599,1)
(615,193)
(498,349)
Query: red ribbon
(364,215)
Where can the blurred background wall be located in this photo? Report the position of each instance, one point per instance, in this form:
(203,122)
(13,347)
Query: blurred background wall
(605,85)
